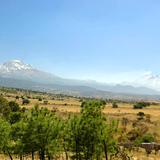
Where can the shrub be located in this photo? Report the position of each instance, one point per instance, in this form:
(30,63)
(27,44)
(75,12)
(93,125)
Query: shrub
(114,105)
(146,138)
(25,101)
(14,106)
(14,117)
(141,105)
(40,99)
(45,102)
(17,97)
(140,115)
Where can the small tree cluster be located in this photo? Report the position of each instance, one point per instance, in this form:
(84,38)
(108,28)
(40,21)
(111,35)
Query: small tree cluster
(141,105)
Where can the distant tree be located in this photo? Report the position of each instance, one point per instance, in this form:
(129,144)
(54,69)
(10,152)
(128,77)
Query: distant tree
(39,99)
(141,105)
(103,102)
(114,105)
(17,97)
(140,115)
(45,102)
(25,101)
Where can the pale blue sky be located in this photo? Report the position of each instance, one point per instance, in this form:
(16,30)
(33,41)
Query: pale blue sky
(105,40)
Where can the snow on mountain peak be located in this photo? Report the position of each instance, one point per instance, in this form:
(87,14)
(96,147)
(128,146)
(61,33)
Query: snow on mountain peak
(148,79)
(17,61)
(14,65)
(151,76)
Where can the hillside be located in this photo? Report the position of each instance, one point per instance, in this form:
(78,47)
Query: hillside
(17,74)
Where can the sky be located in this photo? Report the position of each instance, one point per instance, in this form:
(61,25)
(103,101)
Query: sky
(103,40)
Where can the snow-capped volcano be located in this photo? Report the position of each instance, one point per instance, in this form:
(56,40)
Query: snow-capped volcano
(13,66)
(15,73)
(17,69)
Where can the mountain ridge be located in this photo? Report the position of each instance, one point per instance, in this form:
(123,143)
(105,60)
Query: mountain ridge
(18,70)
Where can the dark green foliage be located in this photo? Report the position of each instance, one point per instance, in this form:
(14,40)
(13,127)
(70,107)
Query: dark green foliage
(114,105)
(5,138)
(140,115)
(14,117)
(146,138)
(17,97)
(3,103)
(25,101)
(141,105)
(42,132)
(87,136)
(45,102)
(4,107)
(40,99)
(14,106)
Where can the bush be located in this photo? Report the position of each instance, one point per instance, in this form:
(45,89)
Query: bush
(14,117)
(141,105)
(25,101)
(140,115)
(114,105)
(40,99)
(14,106)
(146,138)
(45,102)
(17,97)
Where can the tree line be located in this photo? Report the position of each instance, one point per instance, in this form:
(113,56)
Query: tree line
(39,131)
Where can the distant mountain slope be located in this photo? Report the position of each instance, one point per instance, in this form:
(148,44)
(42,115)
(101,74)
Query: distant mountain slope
(126,89)
(71,90)
(53,88)
(18,74)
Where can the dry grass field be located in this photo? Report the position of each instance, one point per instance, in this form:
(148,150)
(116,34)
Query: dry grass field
(71,105)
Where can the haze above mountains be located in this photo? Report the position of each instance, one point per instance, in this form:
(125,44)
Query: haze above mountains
(17,74)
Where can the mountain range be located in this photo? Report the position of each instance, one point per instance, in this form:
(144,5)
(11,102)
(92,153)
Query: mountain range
(17,74)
